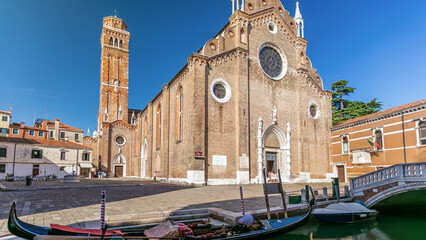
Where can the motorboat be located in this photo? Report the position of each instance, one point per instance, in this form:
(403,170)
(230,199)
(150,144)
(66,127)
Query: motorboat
(344,213)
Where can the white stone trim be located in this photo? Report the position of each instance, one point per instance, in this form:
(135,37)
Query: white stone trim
(119,164)
(419,144)
(316,105)
(274,26)
(283,59)
(221,181)
(243,177)
(374,138)
(196,177)
(227,89)
(120,135)
(342,144)
(117,30)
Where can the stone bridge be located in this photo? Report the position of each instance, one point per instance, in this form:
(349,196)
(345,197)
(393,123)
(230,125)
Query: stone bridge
(376,186)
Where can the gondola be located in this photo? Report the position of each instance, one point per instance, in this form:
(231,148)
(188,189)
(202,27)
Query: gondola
(29,231)
(274,227)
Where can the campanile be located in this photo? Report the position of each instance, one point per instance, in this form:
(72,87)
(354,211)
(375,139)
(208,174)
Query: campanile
(114,88)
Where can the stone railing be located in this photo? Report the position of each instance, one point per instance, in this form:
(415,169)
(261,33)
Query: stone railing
(395,173)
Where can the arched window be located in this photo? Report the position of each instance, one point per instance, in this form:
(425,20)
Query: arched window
(243,36)
(111,40)
(158,121)
(145,127)
(116,42)
(378,138)
(121,43)
(422,133)
(345,144)
(179,105)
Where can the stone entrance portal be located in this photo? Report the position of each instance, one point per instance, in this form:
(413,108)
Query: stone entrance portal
(273,149)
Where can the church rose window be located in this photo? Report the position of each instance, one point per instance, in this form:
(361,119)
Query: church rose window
(272,59)
(120,140)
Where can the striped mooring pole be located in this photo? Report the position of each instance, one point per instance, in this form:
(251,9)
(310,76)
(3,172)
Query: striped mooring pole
(242,201)
(103,209)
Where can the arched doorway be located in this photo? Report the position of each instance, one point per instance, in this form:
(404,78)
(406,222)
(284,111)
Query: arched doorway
(274,151)
(119,165)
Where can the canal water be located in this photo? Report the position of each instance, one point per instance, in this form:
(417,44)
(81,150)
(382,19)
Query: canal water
(401,217)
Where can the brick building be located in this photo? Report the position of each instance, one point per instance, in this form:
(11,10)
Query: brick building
(248,99)
(395,135)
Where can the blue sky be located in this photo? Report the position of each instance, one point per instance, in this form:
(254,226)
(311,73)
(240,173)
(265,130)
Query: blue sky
(50,49)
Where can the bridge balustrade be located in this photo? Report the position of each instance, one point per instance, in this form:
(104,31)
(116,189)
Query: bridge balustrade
(404,171)
(414,170)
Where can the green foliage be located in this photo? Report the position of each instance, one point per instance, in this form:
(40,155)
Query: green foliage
(344,109)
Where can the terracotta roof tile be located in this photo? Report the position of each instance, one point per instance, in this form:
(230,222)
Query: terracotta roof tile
(45,142)
(63,126)
(35,128)
(48,142)
(384,112)
(17,140)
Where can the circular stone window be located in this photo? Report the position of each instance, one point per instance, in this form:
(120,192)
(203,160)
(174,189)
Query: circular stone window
(314,110)
(220,90)
(272,27)
(120,140)
(272,61)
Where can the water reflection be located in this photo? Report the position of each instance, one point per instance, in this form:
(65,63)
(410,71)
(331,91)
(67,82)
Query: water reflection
(386,226)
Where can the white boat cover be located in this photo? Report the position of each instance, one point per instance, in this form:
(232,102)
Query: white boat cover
(343,208)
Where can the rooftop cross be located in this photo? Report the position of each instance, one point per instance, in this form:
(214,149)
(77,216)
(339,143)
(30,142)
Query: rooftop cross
(115,12)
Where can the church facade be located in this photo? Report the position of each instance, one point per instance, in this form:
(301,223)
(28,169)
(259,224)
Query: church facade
(248,100)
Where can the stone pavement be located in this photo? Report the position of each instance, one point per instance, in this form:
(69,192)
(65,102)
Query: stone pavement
(78,203)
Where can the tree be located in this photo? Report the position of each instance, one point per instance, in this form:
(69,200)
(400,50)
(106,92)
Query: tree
(344,109)
(340,89)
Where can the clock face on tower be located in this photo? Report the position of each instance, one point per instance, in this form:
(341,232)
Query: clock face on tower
(273,61)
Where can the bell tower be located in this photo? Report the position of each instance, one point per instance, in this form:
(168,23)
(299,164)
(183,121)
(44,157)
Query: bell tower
(114,88)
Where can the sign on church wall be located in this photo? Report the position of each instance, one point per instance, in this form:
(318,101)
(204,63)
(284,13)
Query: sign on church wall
(244,161)
(219,160)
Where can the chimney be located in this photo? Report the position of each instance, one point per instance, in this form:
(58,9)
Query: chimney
(22,125)
(56,129)
(44,124)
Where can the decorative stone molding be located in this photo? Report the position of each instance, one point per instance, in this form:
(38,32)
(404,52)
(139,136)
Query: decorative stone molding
(117,30)
(197,59)
(228,56)
(317,107)
(227,89)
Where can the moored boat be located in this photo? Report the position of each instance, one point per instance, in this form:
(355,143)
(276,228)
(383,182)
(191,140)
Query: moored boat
(344,213)
(270,227)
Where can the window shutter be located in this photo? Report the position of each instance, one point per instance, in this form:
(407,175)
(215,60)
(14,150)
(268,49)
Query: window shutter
(7,130)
